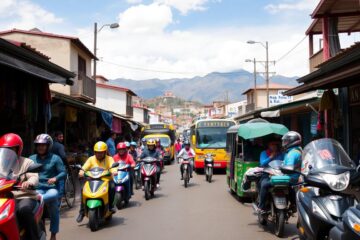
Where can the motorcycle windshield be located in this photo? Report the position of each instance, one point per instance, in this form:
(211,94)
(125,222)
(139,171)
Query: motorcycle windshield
(8,161)
(96,172)
(149,159)
(325,153)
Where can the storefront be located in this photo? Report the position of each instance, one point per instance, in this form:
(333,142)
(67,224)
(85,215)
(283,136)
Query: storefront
(339,74)
(24,90)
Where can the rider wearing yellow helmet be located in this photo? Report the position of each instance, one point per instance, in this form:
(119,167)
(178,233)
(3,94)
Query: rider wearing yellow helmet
(103,160)
(151,151)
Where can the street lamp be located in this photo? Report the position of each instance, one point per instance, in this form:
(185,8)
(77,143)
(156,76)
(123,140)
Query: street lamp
(255,90)
(96,31)
(266,46)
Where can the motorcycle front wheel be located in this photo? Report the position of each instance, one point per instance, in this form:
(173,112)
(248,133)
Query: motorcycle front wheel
(186,178)
(137,181)
(147,190)
(93,220)
(210,174)
(118,200)
(279,222)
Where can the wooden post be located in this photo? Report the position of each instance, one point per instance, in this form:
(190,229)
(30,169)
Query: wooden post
(325,30)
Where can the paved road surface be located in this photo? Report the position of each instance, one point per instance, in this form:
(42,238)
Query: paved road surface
(202,211)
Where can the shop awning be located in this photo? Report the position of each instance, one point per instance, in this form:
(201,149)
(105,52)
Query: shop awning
(25,60)
(340,71)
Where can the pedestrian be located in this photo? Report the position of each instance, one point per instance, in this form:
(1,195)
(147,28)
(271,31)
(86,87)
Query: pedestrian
(53,170)
(58,148)
(178,147)
(111,144)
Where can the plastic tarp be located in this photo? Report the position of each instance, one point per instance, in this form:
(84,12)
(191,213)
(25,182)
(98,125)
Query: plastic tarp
(116,125)
(270,114)
(108,118)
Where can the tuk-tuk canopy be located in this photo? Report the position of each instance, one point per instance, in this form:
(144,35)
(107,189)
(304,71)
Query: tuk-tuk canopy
(260,129)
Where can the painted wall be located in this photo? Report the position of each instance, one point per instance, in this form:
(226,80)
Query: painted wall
(138,114)
(111,100)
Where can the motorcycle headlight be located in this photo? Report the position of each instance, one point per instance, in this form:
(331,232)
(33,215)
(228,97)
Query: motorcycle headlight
(5,213)
(337,182)
(317,210)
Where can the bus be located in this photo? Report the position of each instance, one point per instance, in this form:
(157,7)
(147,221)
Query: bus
(166,134)
(209,136)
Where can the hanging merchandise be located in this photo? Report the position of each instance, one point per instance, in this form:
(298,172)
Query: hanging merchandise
(108,118)
(329,101)
(70,114)
(116,125)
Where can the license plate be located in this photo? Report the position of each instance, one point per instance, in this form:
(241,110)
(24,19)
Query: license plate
(217,164)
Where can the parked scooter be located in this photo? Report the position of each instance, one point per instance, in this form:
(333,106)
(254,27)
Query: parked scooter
(95,195)
(122,185)
(209,166)
(137,175)
(9,228)
(185,165)
(328,173)
(349,228)
(148,176)
(277,201)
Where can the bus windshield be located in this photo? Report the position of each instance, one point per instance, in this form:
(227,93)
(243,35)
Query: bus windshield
(212,137)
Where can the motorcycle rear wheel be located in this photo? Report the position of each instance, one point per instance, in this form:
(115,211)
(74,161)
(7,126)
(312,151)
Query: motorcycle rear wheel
(93,220)
(279,222)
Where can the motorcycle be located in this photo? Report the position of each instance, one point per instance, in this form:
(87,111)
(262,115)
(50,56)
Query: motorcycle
(328,174)
(137,175)
(277,201)
(209,166)
(9,228)
(185,165)
(349,228)
(122,185)
(149,176)
(95,196)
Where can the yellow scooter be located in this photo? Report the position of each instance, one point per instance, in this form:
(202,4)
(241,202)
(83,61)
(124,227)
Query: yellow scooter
(95,196)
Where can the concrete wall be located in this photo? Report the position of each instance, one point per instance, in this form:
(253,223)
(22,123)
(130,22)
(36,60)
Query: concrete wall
(111,100)
(138,114)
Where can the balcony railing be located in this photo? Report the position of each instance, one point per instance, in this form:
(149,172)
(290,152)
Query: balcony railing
(84,88)
(316,59)
(250,107)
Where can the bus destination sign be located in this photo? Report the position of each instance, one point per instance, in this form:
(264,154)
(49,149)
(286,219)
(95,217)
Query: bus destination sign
(225,124)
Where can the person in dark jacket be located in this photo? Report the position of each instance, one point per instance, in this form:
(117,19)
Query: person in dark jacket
(58,148)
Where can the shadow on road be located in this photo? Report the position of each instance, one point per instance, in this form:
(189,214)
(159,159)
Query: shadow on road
(290,229)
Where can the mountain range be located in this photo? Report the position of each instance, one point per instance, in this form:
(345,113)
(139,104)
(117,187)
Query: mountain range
(211,87)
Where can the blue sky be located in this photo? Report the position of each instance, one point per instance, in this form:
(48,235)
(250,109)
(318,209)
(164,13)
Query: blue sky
(181,37)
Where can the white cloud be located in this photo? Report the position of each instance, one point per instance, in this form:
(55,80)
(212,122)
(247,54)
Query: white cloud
(292,5)
(133,1)
(146,18)
(184,6)
(25,14)
(195,51)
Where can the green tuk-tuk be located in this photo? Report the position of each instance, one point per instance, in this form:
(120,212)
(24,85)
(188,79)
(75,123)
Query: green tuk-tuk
(244,152)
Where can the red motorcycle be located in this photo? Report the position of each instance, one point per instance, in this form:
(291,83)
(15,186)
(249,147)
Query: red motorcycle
(149,176)
(9,228)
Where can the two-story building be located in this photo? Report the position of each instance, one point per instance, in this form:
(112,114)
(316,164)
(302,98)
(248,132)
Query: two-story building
(66,51)
(334,66)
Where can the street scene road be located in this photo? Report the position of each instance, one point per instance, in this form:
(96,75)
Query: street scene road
(201,211)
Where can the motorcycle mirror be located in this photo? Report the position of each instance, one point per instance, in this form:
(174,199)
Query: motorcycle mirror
(358,168)
(34,168)
(78,166)
(115,165)
(287,170)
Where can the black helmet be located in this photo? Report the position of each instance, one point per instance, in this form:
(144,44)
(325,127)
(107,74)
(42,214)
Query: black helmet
(186,142)
(291,139)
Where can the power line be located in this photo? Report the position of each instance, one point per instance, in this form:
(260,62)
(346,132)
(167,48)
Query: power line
(151,70)
(292,49)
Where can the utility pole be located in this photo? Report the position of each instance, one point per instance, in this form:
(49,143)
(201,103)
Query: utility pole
(255,90)
(95,47)
(267,73)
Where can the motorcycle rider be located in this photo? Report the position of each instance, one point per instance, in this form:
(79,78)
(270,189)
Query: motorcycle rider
(26,199)
(291,143)
(151,151)
(186,152)
(102,160)
(52,172)
(132,149)
(124,156)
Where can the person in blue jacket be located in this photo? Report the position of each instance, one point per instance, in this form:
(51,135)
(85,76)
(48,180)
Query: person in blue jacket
(291,143)
(53,171)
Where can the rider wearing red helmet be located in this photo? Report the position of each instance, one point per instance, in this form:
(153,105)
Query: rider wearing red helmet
(124,156)
(25,200)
